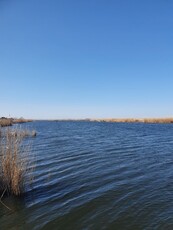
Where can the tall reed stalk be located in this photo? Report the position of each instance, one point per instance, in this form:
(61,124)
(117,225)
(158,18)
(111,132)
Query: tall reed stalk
(13,162)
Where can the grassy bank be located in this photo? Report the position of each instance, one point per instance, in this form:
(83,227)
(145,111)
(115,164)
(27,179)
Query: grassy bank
(10,121)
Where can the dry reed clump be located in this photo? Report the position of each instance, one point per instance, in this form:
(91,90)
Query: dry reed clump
(21,133)
(10,121)
(13,163)
(6,122)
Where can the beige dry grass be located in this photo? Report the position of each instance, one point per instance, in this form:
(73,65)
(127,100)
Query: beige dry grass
(10,121)
(14,163)
(5,122)
(133,120)
(21,120)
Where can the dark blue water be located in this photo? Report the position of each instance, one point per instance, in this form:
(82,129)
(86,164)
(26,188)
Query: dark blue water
(91,175)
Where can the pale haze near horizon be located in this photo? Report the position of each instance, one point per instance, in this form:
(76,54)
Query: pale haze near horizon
(86,59)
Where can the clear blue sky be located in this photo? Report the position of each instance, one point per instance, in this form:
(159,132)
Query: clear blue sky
(86,58)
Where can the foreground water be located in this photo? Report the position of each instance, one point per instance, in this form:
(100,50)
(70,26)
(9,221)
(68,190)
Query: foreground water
(91,175)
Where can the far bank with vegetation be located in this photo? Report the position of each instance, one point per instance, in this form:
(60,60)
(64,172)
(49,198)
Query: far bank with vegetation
(123,120)
(10,121)
(136,120)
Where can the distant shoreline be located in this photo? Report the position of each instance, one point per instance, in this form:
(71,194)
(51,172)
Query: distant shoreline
(10,121)
(123,120)
(137,120)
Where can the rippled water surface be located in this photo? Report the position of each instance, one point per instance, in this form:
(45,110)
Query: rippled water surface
(91,175)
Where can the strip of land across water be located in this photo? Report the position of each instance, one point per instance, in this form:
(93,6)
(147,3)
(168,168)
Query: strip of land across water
(133,120)
(10,121)
(125,120)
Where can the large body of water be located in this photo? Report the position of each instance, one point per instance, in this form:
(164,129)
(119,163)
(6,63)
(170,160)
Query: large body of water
(91,175)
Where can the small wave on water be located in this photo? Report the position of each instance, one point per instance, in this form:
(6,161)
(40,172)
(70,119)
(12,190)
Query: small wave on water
(94,175)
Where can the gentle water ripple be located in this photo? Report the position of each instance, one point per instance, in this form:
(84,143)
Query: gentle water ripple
(91,175)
